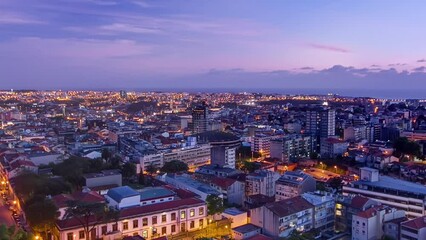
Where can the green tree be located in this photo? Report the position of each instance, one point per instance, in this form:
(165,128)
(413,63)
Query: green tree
(11,233)
(42,215)
(214,204)
(250,167)
(89,215)
(151,169)
(174,167)
(336,183)
(106,154)
(128,170)
(405,147)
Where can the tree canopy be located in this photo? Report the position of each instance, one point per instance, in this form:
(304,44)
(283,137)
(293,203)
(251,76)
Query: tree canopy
(214,204)
(174,167)
(405,147)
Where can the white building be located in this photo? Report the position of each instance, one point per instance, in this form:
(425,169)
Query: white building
(292,184)
(414,229)
(400,194)
(261,182)
(368,224)
(324,209)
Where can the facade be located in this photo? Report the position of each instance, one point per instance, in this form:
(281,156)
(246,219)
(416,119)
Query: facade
(261,143)
(292,184)
(400,194)
(369,224)
(414,229)
(104,178)
(199,119)
(245,231)
(223,147)
(152,221)
(231,189)
(324,209)
(217,170)
(194,157)
(333,147)
(327,123)
(203,190)
(261,182)
(280,219)
(123,197)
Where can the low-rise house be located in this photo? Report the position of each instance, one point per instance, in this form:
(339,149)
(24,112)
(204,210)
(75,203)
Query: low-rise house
(292,184)
(245,231)
(123,197)
(368,224)
(237,217)
(231,189)
(280,219)
(414,229)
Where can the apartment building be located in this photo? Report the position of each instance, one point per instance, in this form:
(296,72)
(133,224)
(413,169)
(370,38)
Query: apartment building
(292,184)
(414,229)
(400,194)
(261,182)
(324,209)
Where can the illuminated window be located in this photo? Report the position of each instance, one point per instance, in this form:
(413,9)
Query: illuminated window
(338,213)
(182,215)
(339,206)
(192,212)
(201,211)
(145,234)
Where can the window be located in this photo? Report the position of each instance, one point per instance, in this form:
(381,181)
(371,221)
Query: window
(135,223)
(81,234)
(173,216)
(144,222)
(201,211)
(154,220)
(201,223)
(114,227)
(192,212)
(104,230)
(163,218)
(182,227)
(163,230)
(173,228)
(192,224)
(125,226)
(70,236)
(182,215)
(145,234)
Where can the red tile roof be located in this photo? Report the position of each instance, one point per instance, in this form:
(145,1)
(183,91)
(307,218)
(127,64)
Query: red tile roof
(359,202)
(417,223)
(289,206)
(139,211)
(62,200)
(223,182)
(371,212)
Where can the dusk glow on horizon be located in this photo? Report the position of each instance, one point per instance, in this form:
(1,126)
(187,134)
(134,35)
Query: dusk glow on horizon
(48,44)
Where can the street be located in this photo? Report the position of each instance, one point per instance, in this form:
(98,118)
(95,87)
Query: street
(321,175)
(5,215)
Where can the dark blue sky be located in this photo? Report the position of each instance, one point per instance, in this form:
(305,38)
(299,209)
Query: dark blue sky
(369,45)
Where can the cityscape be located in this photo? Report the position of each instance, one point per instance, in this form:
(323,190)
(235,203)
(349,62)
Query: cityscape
(212,120)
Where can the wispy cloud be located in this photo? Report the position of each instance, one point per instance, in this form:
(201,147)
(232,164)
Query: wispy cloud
(421,60)
(121,27)
(328,48)
(14,18)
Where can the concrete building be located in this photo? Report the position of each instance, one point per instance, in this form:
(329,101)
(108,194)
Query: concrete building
(123,197)
(333,147)
(103,181)
(369,224)
(280,219)
(392,228)
(152,221)
(414,229)
(400,194)
(324,209)
(261,182)
(238,217)
(245,231)
(292,184)
(217,170)
(261,143)
(199,119)
(231,189)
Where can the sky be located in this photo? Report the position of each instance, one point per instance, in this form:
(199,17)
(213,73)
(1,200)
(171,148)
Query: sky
(200,44)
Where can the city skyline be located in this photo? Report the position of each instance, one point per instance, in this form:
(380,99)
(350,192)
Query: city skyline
(368,47)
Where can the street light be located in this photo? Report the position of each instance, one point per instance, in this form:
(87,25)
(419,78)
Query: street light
(37,237)
(335,167)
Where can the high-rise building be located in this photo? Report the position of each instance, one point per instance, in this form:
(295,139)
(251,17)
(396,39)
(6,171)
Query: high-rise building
(199,118)
(327,123)
(320,123)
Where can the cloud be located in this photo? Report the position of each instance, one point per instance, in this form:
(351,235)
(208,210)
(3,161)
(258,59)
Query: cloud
(120,27)
(421,60)
(328,48)
(419,69)
(396,64)
(14,18)
(142,4)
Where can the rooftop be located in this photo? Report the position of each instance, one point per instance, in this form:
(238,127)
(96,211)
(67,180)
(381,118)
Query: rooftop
(416,223)
(119,193)
(289,206)
(387,182)
(157,192)
(246,228)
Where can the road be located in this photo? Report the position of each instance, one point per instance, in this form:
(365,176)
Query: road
(5,215)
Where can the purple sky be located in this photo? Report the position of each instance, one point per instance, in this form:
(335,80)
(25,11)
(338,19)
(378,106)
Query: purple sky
(47,44)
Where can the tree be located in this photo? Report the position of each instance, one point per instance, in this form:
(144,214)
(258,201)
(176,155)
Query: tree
(11,233)
(250,166)
(174,167)
(151,169)
(129,170)
(214,204)
(106,154)
(405,147)
(89,215)
(336,183)
(42,215)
